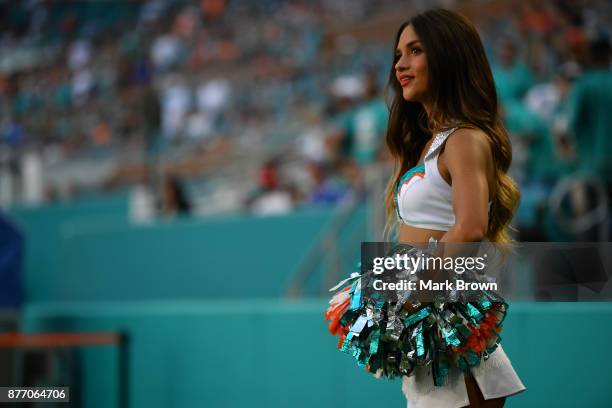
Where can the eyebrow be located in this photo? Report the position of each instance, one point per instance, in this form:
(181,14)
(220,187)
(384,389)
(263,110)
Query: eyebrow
(413,42)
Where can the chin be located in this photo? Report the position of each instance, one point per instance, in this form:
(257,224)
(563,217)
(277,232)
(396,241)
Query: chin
(410,96)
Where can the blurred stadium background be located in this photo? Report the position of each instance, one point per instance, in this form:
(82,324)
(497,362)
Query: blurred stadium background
(194,175)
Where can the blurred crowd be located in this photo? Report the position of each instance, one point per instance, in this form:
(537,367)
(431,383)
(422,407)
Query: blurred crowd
(273,105)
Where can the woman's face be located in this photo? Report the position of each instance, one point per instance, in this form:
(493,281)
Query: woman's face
(411,66)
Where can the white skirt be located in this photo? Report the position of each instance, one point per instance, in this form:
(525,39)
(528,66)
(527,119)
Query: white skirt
(495,377)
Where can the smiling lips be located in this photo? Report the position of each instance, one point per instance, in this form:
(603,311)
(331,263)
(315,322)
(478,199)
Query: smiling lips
(405,80)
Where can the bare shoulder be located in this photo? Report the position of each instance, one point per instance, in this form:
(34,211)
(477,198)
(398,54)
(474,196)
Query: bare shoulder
(468,144)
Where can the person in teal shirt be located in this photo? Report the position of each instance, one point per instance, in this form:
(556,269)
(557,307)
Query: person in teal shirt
(589,128)
(533,133)
(538,169)
(590,114)
(513,78)
(369,125)
(364,126)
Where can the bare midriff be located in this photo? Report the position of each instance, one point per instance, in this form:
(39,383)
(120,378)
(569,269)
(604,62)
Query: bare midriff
(408,234)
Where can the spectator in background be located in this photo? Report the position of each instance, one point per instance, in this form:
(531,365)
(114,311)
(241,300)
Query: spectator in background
(329,188)
(589,124)
(539,130)
(512,76)
(369,123)
(151,115)
(361,116)
(175,105)
(354,177)
(590,115)
(558,121)
(270,197)
(344,91)
(314,144)
(174,198)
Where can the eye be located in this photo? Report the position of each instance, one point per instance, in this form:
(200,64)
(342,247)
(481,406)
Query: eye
(415,50)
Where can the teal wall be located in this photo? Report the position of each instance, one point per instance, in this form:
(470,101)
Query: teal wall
(272,353)
(104,257)
(46,228)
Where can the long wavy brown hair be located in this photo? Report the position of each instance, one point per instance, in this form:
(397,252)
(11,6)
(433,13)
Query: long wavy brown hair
(462,94)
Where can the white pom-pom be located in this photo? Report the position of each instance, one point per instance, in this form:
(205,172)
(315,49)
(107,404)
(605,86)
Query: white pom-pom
(339,297)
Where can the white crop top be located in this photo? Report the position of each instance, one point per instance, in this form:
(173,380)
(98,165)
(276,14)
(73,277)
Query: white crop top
(423,197)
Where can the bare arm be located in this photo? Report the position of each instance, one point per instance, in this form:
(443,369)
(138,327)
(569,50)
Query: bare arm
(469,159)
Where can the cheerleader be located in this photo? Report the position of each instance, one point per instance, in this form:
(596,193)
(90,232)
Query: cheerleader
(450,184)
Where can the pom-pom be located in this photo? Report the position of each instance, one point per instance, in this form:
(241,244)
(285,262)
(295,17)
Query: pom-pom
(391,338)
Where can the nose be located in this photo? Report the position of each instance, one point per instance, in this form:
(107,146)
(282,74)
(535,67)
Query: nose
(401,64)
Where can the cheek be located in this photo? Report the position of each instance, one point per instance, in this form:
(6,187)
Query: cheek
(424,81)
(422,68)
(423,75)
